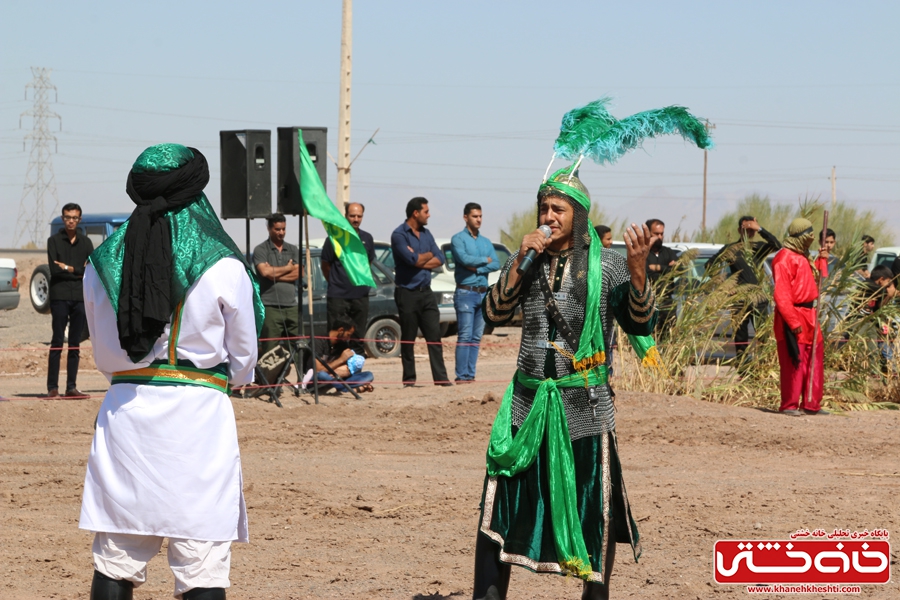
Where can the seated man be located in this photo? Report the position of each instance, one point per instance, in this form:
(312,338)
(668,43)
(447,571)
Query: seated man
(336,353)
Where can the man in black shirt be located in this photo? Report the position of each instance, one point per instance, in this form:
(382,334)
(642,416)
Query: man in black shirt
(344,298)
(660,261)
(735,256)
(67,253)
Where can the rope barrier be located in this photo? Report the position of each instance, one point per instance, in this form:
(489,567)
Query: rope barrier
(286,385)
(325,337)
(286,339)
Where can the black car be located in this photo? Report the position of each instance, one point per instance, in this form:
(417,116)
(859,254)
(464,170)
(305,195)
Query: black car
(383,327)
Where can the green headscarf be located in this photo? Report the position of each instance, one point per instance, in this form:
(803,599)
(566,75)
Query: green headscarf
(591,341)
(198,240)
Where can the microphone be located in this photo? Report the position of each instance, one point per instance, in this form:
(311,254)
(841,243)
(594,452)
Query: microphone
(526,263)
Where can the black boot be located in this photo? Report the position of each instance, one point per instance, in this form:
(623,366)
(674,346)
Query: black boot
(107,588)
(204,594)
(600,591)
(491,575)
(594,591)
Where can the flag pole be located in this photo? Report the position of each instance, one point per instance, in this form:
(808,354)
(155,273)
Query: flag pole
(309,301)
(815,338)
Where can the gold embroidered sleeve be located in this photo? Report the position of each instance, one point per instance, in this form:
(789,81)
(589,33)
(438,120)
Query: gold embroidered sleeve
(501,301)
(634,310)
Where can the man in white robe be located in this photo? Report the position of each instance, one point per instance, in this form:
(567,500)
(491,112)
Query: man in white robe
(164,461)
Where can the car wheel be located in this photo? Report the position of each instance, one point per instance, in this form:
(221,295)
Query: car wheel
(39,289)
(383,339)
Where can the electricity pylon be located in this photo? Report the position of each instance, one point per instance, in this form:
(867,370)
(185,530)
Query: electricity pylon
(40,183)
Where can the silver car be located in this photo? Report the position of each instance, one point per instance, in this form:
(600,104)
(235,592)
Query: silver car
(9,284)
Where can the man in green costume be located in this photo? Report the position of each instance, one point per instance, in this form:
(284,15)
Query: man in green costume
(554,499)
(554,436)
(174,313)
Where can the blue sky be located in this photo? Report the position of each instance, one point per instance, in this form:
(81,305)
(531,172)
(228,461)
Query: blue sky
(468,97)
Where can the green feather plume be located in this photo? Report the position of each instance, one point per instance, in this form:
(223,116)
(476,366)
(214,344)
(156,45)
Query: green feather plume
(591,131)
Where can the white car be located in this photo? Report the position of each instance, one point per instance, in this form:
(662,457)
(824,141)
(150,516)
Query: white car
(444,273)
(884,256)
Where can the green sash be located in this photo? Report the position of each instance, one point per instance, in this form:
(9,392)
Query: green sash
(509,456)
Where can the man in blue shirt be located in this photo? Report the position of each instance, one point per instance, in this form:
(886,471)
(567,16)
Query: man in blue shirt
(415,254)
(475,257)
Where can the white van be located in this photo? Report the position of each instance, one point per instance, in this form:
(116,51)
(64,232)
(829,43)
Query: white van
(884,256)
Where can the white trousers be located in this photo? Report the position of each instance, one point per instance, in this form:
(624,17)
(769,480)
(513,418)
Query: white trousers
(195,564)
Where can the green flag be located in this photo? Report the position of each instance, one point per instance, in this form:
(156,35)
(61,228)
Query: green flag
(347,245)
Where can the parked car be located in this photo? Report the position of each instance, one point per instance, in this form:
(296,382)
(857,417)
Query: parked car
(441,288)
(446,270)
(97,227)
(704,252)
(383,327)
(9,284)
(884,256)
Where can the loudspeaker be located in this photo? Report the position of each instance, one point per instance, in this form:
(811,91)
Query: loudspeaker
(246,173)
(289,200)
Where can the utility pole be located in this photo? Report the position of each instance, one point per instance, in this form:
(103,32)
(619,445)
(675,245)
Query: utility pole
(705,161)
(833,188)
(343,161)
(40,183)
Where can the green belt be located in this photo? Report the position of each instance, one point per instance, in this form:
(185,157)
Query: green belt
(184,373)
(509,456)
(174,371)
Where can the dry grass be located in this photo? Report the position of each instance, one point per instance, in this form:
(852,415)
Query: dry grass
(709,313)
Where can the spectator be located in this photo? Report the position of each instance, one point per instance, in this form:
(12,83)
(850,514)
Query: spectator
(660,262)
(736,255)
(605,235)
(278,266)
(67,253)
(827,240)
(344,298)
(862,263)
(886,295)
(475,257)
(335,351)
(415,254)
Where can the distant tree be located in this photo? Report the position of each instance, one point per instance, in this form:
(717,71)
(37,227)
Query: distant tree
(848,223)
(773,216)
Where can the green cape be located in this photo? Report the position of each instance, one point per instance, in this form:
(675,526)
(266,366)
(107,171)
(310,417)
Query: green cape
(198,242)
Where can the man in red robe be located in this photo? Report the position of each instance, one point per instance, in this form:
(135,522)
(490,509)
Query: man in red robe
(796,291)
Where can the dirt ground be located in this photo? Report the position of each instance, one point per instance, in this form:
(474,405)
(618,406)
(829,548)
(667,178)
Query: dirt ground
(379,498)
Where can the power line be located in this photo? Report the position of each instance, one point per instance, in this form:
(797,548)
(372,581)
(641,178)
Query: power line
(40,183)
(162,114)
(420,84)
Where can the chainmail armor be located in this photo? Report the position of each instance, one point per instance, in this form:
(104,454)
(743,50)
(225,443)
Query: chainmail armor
(535,327)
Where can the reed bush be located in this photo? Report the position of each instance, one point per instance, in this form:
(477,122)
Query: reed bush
(709,310)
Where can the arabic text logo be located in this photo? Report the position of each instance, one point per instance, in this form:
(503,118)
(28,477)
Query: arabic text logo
(802,561)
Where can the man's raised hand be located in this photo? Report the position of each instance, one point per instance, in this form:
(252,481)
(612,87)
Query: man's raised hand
(638,241)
